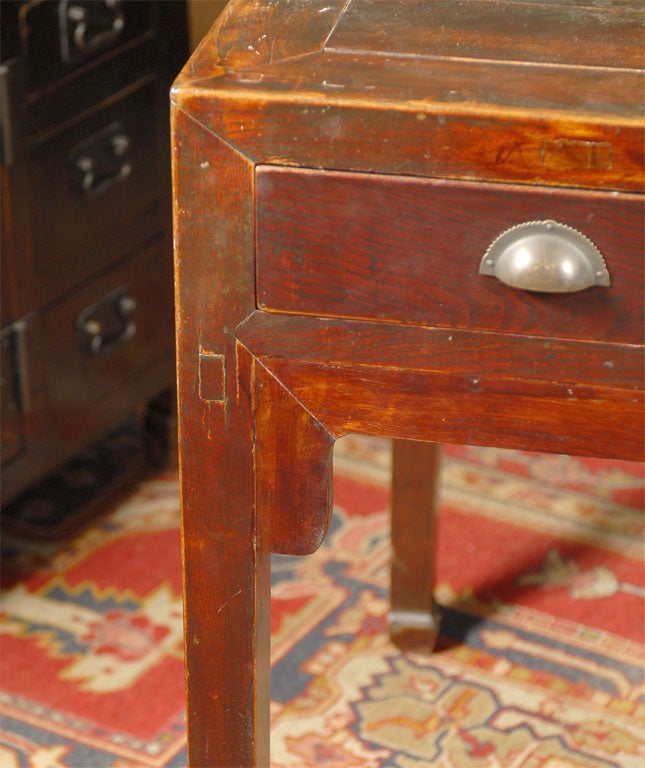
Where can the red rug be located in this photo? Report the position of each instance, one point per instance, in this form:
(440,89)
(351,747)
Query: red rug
(540,662)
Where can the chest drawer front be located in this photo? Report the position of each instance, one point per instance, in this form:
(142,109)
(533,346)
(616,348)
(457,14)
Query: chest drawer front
(408,250)
(58,37)
(103,174)
(103,333)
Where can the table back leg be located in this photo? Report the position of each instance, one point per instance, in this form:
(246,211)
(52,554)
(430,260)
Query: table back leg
(413,619)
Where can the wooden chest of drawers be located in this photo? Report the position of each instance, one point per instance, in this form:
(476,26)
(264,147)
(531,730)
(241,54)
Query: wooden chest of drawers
(419,220)
(87,298)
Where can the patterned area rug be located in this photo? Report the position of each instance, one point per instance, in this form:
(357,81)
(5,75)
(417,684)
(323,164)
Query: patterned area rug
(540,662)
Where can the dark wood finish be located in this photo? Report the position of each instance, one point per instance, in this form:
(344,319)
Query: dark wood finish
(474,118)
(383,116)
(414,618)
(77,379)
(456,386)
(408,250)
(478,31)
(86,223)
(107,225)
(291,461)
(226,559)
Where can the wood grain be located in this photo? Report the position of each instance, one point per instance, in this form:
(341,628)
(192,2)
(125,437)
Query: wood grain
(292,124)
(413,617)
(293,470)
(437,406)
(334,342)
(408,250)
(371,74)
(226,566)
(249,33)
(429,384)
(576,34)
(346,297)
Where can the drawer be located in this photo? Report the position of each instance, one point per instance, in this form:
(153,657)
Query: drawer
(408,250)
(108,331)
(95,193)
(58,37)
(63,102)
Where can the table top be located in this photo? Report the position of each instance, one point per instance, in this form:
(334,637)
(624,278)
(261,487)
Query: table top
(363,92)
(554,91)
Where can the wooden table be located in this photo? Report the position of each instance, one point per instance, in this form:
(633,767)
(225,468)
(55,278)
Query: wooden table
(357,186)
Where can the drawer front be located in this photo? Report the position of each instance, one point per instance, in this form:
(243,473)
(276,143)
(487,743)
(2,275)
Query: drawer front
(94,193)
(63,102)
(109,330)
(408,250)
(57,37)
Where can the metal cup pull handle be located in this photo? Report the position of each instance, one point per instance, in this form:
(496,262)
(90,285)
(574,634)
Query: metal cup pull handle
(546,257)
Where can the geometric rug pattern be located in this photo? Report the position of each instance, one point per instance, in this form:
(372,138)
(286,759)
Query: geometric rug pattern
(540,662)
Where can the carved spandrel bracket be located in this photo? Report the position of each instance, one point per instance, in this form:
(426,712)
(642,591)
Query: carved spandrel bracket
(293,460)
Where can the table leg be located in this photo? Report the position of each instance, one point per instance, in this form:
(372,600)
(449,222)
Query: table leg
(227,653)
(414,620)
(227,579)
(256,478)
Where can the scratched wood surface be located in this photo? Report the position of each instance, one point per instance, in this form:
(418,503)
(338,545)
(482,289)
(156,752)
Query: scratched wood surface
(413,618)
(226,574)
(519,105)
(483,389)
(409,250)
(575,34)
(299,83)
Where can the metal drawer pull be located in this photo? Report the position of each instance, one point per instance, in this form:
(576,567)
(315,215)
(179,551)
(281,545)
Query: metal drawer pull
(546,257)
(107,324)
(101,160)
(88,26)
